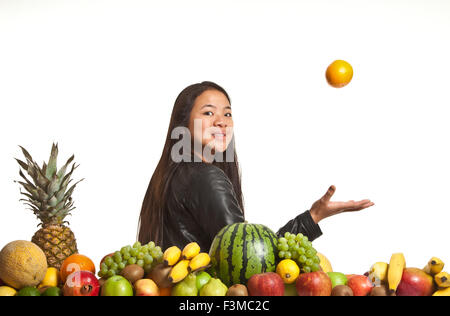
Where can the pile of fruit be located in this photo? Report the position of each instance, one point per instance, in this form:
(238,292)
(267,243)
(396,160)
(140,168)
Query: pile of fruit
(244,259)
(189,272)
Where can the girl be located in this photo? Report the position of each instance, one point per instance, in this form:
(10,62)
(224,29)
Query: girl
(196,187)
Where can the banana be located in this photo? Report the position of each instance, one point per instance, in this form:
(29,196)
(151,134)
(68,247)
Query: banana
(442,279)
(395,271)
(171,256)
(434,266)
(179,271)
(199,261)
(378,272)
(190,251)
(443,292)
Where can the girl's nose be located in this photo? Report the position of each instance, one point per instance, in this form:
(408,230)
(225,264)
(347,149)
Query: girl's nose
(220,122)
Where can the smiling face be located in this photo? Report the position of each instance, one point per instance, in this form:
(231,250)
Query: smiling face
(212,111)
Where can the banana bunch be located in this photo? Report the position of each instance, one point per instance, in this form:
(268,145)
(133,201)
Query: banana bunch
(441,278)
(184,262)
(434,268)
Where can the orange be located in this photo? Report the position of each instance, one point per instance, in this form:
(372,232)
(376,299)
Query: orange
(74,263)
(165,291)
(339,73)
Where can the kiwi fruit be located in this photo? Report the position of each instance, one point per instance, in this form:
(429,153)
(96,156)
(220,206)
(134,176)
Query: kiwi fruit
(381,291)
(160,275)
(342,290)
(102,281)
(133,273)
(237,290)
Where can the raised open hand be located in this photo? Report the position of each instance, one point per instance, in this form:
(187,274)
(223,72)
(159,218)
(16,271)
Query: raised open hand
(324,208)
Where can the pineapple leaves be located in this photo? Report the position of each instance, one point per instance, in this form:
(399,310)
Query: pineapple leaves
(22,164)
(47,195)
(53,186)
(62,171)
(31,189)
(26,154)
(42,181)
(29,183)
(70,191)
(51,167)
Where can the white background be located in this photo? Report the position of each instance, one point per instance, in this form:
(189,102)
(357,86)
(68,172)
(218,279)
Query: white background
(101,78)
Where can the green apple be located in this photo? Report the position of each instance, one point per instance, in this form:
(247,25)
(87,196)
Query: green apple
(202,278)
(117,286)
(337,278)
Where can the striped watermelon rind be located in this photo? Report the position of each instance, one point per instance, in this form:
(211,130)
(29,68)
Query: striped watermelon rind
(241,250)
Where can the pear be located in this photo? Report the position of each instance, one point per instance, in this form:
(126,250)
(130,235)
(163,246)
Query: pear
(187,287)
(214,287)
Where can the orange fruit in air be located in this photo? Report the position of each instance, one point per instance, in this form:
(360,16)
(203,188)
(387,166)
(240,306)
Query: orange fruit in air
(74,263)
(339,73)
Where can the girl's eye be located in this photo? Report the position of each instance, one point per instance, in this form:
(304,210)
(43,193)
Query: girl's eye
(209,113)
(228,114)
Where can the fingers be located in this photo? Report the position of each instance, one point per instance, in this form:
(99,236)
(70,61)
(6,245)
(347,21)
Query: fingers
(359,208)
(329,193)
(350,205)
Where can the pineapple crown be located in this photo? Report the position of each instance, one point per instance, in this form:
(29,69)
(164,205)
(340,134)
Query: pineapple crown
(48,196)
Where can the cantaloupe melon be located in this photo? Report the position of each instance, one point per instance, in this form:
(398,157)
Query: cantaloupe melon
(22,264)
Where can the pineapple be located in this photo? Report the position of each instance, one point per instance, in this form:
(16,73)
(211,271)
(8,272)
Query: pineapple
(50,200)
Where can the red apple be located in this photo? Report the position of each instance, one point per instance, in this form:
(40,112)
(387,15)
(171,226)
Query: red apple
(266,284)
(415,282)
(360,285)
(81,283)
(314,284)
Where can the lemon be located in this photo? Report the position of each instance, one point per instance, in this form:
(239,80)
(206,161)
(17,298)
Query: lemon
(51,278)
(7,291)
(288,270)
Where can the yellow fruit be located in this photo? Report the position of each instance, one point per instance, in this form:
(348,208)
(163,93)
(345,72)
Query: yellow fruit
(434,266)
(190,251)
(179,271)
(199,261)
(442,279)
(51,278)
(324,263)
(443,292)
(378,272)
(22,264)
(7,291)
(288,270)
(395,270)
(339,73)
(171,256)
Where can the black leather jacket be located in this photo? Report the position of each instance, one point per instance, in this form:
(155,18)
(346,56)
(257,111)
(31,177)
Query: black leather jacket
(201,201)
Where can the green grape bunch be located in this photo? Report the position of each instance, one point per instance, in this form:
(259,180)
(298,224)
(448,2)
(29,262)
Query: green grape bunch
(146,256)
(300,249)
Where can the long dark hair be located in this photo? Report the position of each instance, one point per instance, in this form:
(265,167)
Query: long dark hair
(152,213)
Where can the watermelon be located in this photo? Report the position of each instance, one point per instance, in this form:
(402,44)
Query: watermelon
(241,250)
